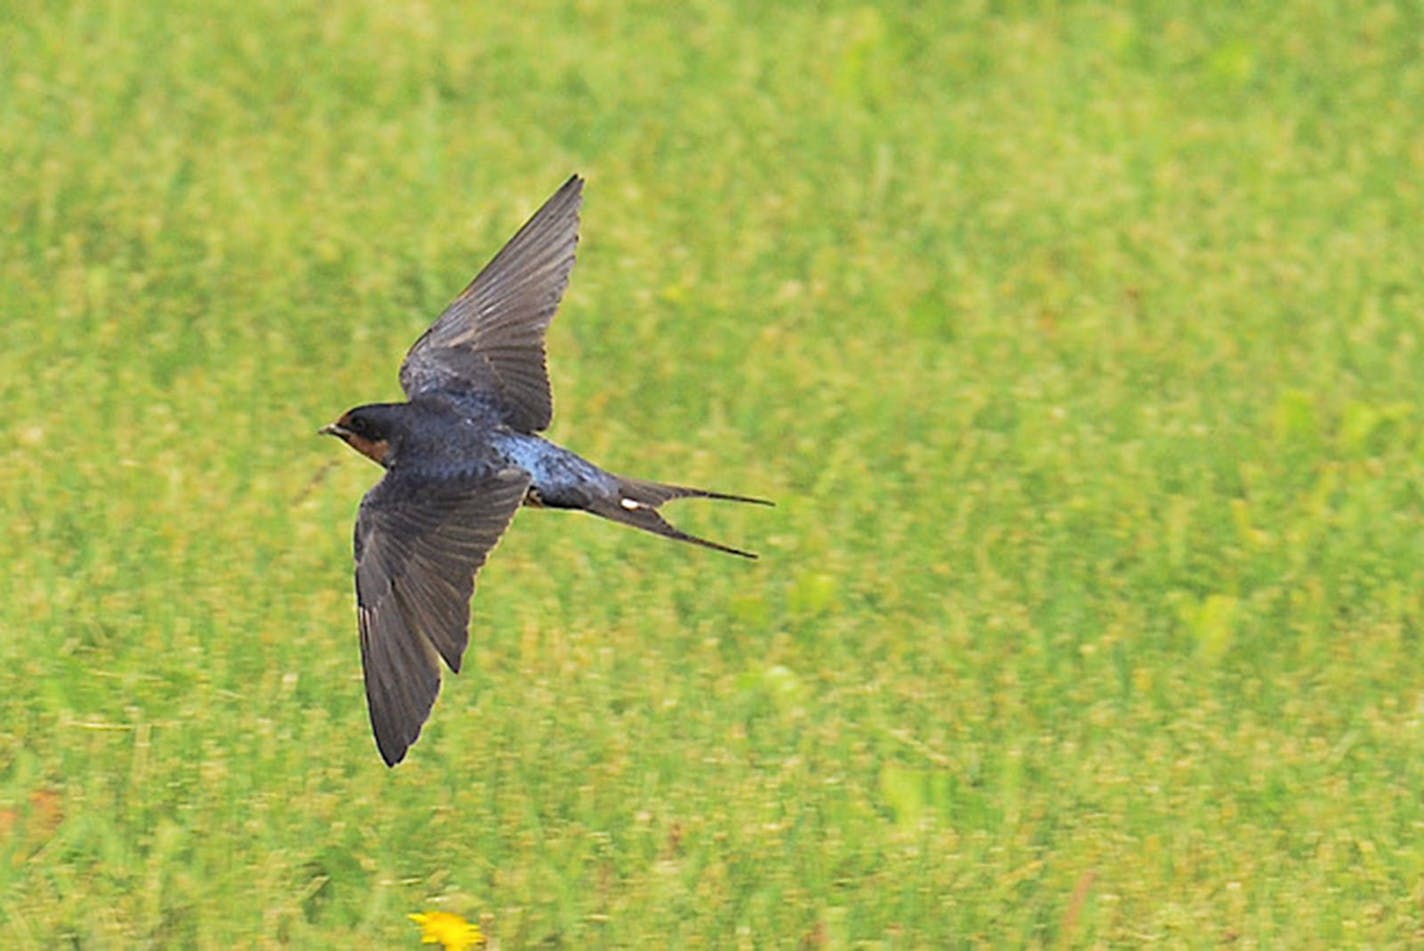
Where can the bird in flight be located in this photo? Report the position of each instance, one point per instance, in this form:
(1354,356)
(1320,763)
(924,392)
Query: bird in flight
(460,457)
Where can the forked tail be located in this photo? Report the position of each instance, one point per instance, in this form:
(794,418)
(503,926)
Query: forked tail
(637,505)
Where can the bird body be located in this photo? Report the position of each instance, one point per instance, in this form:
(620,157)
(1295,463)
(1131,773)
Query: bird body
(461,456)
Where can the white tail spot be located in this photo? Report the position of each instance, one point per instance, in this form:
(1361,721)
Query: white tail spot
(629,504)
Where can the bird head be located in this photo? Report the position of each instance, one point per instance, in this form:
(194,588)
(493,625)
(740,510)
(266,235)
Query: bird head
(367,429)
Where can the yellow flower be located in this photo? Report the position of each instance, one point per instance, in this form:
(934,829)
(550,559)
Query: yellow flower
(451,932)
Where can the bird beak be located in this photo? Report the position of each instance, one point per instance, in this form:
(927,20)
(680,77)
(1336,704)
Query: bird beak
(332,429)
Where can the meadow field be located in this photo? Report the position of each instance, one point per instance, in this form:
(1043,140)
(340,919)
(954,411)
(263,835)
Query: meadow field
(1081,346)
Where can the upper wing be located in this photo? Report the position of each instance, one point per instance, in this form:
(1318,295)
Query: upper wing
(491,338)
(419,544)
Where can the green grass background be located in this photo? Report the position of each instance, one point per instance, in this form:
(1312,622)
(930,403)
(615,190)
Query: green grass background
(1080,344)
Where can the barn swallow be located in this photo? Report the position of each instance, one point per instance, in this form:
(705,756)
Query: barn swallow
(460,457)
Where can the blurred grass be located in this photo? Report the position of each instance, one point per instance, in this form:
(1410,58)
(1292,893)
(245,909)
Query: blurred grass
(1079,343)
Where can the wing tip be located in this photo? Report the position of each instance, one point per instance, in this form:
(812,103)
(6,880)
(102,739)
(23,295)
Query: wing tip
(392,756)
(393,737)
(570,192)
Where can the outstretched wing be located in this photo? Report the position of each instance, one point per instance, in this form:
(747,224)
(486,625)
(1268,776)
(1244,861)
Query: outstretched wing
(490,340)
(419,543)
